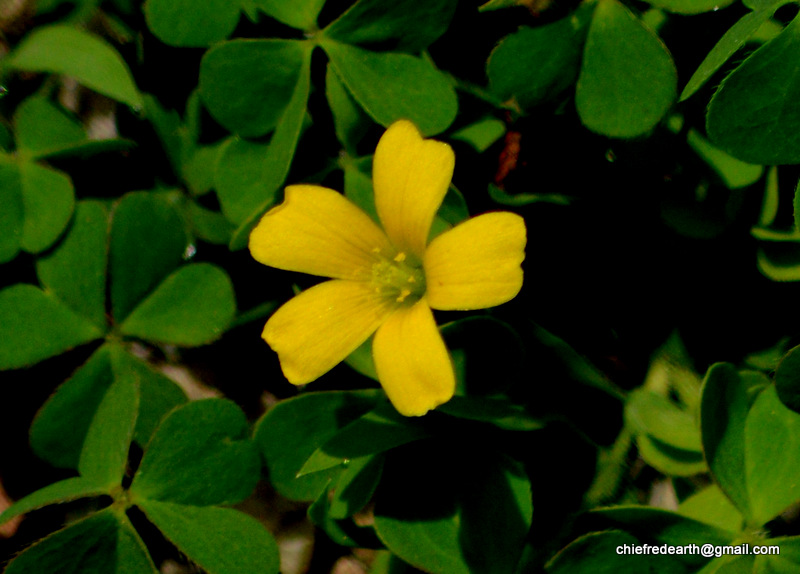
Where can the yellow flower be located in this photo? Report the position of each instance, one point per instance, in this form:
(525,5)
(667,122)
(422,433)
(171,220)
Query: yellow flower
(386,281)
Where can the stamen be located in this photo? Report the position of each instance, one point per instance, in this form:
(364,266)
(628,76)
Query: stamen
(403,294)
(400,257)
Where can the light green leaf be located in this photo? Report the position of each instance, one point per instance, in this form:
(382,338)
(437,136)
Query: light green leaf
(49,200)
(219,540)
(197,440)
(300,14)
(390,86)
(712,506)
(148,240)
(59,492)
(752,115)
(61,49)
(247,85)
(75,271)
(41,127)
(405,25)
(723,409)
(534,65)
(208,225)
(12,216)
(292,430)
(501,196)
(193,306)
(187,23)
(649,413)
(104,456)
(690,6)
(734,173)
(628,81)
(780,261)
(481,134)
(728,45)
(34,326)
(771,431)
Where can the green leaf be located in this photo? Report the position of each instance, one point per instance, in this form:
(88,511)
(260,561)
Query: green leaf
(249,175)
(647,412)
(595,553)
(771,431)
(104,456)
(197,440)
(148,240)
(734,173)
(104,543)
(664,527)
(349,120)
(390,86)
(496,514)
(12,216)
(377,431)
(59,492)
(60,426)
(219,540)
(49,199)
(752,115)
(75,271)
(534,65)
(42,127)
(158,394)
(780,261)
(186,23)
(497,411)
(761,4)
(723,410)
(292,430)
(690,6)
(728,45)
(787,379)
(444,514)
(712,506)
(628,81)
(481,134)
(668,459)
(192,306)
(208,225)
(34,326)
(499,195)
(355,487)
(300,14)
(247,85)
(345,532)
(61,49)
(406,25)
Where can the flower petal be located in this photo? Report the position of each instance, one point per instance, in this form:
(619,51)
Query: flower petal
(411,176)
(316,330)
(476,264)
(318,231)
(412,361)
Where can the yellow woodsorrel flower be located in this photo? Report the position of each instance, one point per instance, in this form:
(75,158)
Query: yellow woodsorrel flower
(386,281)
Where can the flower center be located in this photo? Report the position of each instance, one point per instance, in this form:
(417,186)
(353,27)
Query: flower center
(399,279)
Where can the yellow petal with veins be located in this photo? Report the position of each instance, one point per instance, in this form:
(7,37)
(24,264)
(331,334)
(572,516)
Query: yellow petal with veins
(321,326)
(318,231)
(411,176)
(476,264)
(412,362)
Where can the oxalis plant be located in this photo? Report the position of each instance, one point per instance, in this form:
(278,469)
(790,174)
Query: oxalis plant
(411,286)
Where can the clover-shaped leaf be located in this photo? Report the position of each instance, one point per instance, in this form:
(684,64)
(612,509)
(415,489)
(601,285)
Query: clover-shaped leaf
(200,439)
